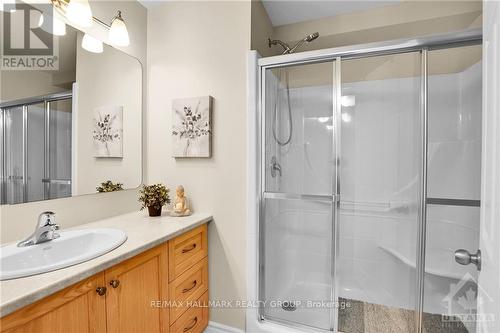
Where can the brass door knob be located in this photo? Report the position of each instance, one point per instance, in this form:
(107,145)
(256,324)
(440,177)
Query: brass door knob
(114,283)
(101,291)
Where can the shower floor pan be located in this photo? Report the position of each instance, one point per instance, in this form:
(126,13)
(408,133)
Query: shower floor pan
(302,304)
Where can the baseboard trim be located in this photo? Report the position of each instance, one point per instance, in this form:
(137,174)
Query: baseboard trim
(214,327)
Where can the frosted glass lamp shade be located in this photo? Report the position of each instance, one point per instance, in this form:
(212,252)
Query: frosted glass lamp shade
(79,13)
(58,26)
(118,34)
(92,44)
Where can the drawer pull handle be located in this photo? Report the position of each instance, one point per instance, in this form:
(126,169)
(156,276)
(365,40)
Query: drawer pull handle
(101,291)
(195,321)
(189,249)
(114,283)
(185,290)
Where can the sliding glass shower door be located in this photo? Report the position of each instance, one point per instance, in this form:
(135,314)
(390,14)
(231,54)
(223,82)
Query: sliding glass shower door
(298,206)
(35,161)
(380,193)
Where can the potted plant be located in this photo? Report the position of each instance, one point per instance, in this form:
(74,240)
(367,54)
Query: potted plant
(154,197)
(109,186)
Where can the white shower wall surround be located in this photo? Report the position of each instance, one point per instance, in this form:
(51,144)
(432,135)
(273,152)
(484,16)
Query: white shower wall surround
(60,157)
(377,227)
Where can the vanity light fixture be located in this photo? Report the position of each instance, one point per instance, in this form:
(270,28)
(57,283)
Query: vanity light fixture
(58,26)
(79,13)
(118,33)
(92,44)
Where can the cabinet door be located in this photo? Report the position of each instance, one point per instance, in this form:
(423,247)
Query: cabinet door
(76,309)
(134,288)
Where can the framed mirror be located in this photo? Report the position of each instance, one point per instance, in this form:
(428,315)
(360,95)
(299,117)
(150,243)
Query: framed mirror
(71,131)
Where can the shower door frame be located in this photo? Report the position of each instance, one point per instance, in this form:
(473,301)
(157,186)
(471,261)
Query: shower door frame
(25,103)
(336,55)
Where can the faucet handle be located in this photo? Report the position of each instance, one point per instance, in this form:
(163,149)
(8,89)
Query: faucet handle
(47,218)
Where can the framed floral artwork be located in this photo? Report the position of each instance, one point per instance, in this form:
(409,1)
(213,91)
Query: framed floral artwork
(108,131)
(192,127)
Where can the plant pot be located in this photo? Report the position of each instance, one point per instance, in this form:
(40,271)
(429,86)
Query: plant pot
(153,211)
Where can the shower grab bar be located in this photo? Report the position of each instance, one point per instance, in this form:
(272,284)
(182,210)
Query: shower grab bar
(454,202)
(57,181)
(304,197)
(335,198)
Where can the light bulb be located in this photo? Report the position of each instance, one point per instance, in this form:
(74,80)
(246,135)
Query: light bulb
(79,13)
(348,100)
(118,34)
(40,20)
(58,26)
(92,44)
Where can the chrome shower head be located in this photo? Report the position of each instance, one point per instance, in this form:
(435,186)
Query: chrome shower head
(286,48)
(306,39)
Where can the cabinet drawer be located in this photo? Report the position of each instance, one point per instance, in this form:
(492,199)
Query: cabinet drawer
(186,250)
(195,319)
(188,287)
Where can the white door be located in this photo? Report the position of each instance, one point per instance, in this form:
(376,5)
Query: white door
(489,278)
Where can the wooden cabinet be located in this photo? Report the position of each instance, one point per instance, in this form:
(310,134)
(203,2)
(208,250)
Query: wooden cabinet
(188,275)
(132,287)
(75,309)
(186,250)
(124,298)
(195,319)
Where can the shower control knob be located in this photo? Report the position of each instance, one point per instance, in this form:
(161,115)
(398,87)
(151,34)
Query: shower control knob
(463,257)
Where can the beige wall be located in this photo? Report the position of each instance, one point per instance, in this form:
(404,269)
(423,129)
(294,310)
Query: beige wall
(111,78)
(196,49)
(262,29)
(24,84)
(403,20)
(27,83)
(18,221)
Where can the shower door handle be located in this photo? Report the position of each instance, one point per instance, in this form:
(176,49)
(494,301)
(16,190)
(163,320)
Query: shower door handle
(464,257)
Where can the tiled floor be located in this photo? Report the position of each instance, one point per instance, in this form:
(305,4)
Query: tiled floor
(362,317)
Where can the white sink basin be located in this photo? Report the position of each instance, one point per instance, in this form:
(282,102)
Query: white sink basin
(73,247)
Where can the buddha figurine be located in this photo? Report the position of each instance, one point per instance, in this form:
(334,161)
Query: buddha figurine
(180,207)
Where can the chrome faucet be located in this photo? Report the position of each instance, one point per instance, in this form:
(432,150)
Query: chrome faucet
(45,230)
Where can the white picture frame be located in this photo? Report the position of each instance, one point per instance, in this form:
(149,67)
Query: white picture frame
(192,127)
(107,134)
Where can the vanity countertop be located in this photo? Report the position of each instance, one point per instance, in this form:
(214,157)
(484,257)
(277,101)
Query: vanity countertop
(143,233)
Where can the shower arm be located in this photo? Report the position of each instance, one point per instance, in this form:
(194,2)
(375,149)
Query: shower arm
(298,44)
(284,45)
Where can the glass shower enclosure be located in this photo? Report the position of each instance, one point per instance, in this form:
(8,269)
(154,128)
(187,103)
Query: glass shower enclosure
(359,220)
(35,148)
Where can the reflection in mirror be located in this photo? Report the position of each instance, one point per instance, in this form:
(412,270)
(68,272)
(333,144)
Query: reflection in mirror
(65,132)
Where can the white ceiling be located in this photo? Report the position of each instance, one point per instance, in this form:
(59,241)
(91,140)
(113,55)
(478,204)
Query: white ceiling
(285,11)
(151,4)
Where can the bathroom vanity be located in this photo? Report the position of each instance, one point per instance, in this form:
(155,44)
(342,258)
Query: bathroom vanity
(157,281)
